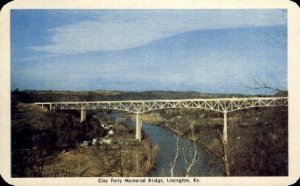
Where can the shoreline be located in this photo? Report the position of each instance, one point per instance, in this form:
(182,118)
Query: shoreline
(157,120)
(191,139)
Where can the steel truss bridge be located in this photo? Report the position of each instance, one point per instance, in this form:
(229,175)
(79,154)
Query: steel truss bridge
(223,105)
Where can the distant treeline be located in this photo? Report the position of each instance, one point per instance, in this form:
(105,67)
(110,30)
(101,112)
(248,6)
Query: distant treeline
(28,96)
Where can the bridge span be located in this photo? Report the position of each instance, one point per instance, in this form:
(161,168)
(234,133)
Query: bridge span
(222,105)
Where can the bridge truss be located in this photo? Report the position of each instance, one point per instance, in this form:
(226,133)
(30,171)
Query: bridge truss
(141,106)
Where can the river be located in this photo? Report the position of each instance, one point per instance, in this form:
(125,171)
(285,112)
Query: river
(207,164)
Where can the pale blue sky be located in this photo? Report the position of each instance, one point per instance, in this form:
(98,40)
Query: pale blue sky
(218,51)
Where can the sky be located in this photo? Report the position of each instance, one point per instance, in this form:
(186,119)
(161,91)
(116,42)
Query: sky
(213,51)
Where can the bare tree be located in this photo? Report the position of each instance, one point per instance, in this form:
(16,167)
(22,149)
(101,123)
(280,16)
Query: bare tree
(189,154)
(175,158)
(192,152)
(108,160)
(260,85)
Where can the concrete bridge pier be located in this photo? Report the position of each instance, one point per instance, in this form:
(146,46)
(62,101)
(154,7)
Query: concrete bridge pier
(225,128)
(225,145)
(138,130)
(82,115)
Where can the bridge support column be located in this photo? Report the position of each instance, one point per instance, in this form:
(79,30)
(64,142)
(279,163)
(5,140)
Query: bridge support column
(225,145)
(50,106)
(225,128)
(82,115)
(138,132)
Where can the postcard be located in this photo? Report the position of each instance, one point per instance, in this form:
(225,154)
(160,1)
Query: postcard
(150,92)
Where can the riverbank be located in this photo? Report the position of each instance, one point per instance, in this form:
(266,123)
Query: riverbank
(211,146)
(124,157)
(151,118)
(207,133)
(257,138)
(176,155)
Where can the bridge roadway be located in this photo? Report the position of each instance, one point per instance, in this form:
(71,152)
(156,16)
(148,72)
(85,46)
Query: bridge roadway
(223,105)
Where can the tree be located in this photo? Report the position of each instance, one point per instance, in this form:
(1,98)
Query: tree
(193,152)
(190,154)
